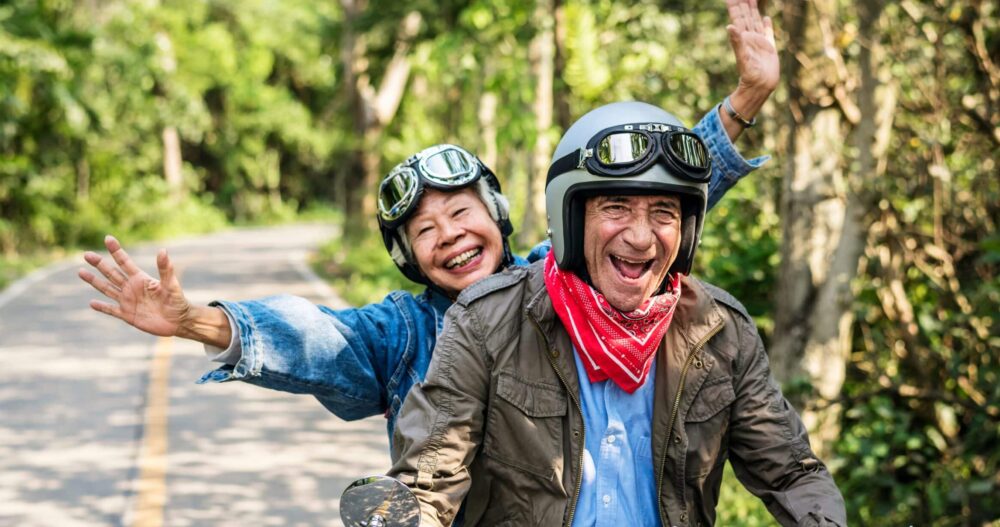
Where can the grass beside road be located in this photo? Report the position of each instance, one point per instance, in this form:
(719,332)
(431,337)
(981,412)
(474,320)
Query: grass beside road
(14,267)
(361,273)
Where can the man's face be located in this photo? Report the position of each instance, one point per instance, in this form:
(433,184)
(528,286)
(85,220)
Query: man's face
(629,244)
(454,239)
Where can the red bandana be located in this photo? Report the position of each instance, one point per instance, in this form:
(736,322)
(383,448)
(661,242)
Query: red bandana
(611,344)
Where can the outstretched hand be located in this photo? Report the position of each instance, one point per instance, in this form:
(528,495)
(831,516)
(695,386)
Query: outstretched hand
(752,39)
(154,306)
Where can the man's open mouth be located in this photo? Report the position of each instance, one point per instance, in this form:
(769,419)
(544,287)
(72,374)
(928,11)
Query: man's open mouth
(463,258)
(631,269)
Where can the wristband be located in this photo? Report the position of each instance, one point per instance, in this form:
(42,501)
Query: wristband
(728,107)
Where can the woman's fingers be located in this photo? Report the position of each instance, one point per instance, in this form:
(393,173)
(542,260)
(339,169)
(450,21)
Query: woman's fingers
(121,257)
(165,267)
(744,15)
(101,285)
(735,13)
(754,13)
(108,269)
(107,309)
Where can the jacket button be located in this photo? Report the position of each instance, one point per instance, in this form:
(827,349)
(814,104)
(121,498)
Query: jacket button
(684,517)
(555,353)
(677,440)
(698,363)
(810,464)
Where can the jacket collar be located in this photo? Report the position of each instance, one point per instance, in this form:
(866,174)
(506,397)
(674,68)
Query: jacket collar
(697,313)
(696,318)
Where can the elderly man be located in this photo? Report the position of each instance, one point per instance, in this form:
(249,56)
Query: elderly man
(604,386)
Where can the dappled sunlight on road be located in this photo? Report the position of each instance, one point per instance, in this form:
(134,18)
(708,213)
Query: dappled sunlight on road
(75,393)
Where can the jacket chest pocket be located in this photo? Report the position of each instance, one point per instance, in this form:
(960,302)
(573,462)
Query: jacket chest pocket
(706,425)
(524,425)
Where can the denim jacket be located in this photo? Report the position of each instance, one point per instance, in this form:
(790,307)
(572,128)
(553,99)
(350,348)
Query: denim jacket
(362,361)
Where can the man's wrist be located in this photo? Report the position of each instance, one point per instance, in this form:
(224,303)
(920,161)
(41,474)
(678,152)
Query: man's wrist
(208,325)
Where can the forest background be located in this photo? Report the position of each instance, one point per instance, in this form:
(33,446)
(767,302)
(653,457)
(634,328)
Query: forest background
(866,250)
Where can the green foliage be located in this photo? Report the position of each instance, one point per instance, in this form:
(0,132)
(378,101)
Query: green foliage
(739,507)
(256,91)
(363,273)
(922,421)
(739,247)
(13,268)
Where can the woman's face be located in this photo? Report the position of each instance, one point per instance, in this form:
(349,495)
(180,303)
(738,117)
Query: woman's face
(454,239)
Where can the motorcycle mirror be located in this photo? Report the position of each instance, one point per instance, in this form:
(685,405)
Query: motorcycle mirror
(379,501)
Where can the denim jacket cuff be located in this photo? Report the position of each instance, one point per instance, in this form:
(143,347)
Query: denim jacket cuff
(728,165)
(245,339)
(230,354)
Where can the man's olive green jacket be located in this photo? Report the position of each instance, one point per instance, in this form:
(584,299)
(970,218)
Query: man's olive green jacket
(498,419)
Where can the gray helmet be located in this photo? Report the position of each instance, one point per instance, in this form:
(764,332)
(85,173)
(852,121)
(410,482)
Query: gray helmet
(575,175)
(444,167)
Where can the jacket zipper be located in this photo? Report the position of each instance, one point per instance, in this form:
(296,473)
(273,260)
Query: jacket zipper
(673,415)
(583,435)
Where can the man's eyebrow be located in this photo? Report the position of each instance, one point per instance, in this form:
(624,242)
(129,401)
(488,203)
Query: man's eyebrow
(669,203)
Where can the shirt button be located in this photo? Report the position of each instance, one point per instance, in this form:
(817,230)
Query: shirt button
(607,499)
(611,439)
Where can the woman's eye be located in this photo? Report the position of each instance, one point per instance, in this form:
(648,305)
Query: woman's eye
(458,212)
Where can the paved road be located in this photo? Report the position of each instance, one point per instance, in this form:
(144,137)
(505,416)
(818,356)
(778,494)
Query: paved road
(101,424)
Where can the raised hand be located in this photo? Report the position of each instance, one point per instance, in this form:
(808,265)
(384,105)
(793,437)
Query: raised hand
(752,39)
(154,306)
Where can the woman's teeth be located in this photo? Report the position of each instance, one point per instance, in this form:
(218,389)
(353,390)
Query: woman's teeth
(463,258)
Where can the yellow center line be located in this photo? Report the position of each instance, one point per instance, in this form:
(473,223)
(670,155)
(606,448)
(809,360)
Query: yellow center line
(151,488)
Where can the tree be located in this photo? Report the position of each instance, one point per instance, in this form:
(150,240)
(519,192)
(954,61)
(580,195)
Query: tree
(372,111)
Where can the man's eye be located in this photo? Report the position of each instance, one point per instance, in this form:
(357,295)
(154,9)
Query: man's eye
(666,214)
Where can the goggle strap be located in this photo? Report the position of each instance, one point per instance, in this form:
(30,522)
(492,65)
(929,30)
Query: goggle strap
(562,165)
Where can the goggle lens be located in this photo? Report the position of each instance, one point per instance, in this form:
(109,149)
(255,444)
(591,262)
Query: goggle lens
(396,193)
(689,149)
(622,148)
(448,166)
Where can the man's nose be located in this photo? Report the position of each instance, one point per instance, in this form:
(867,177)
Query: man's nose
(639,234)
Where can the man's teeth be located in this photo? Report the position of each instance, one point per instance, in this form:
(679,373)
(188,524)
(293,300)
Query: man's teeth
(629,268)
(463,258)
(633,262)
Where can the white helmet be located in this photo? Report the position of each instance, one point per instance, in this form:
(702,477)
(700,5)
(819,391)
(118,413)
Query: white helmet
(625,148)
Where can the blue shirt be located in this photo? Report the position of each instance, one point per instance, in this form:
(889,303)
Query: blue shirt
(619,483)
(361,362)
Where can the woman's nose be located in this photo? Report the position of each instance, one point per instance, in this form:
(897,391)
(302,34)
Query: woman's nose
(450,231)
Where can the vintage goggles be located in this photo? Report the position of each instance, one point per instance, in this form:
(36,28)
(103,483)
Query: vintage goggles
(629,149)
(444,167)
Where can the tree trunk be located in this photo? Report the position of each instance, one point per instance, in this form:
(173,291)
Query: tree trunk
(542,65)
(564,115)
(172,162)
(372,112)
(82,176)
(823,208)
(486,115)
